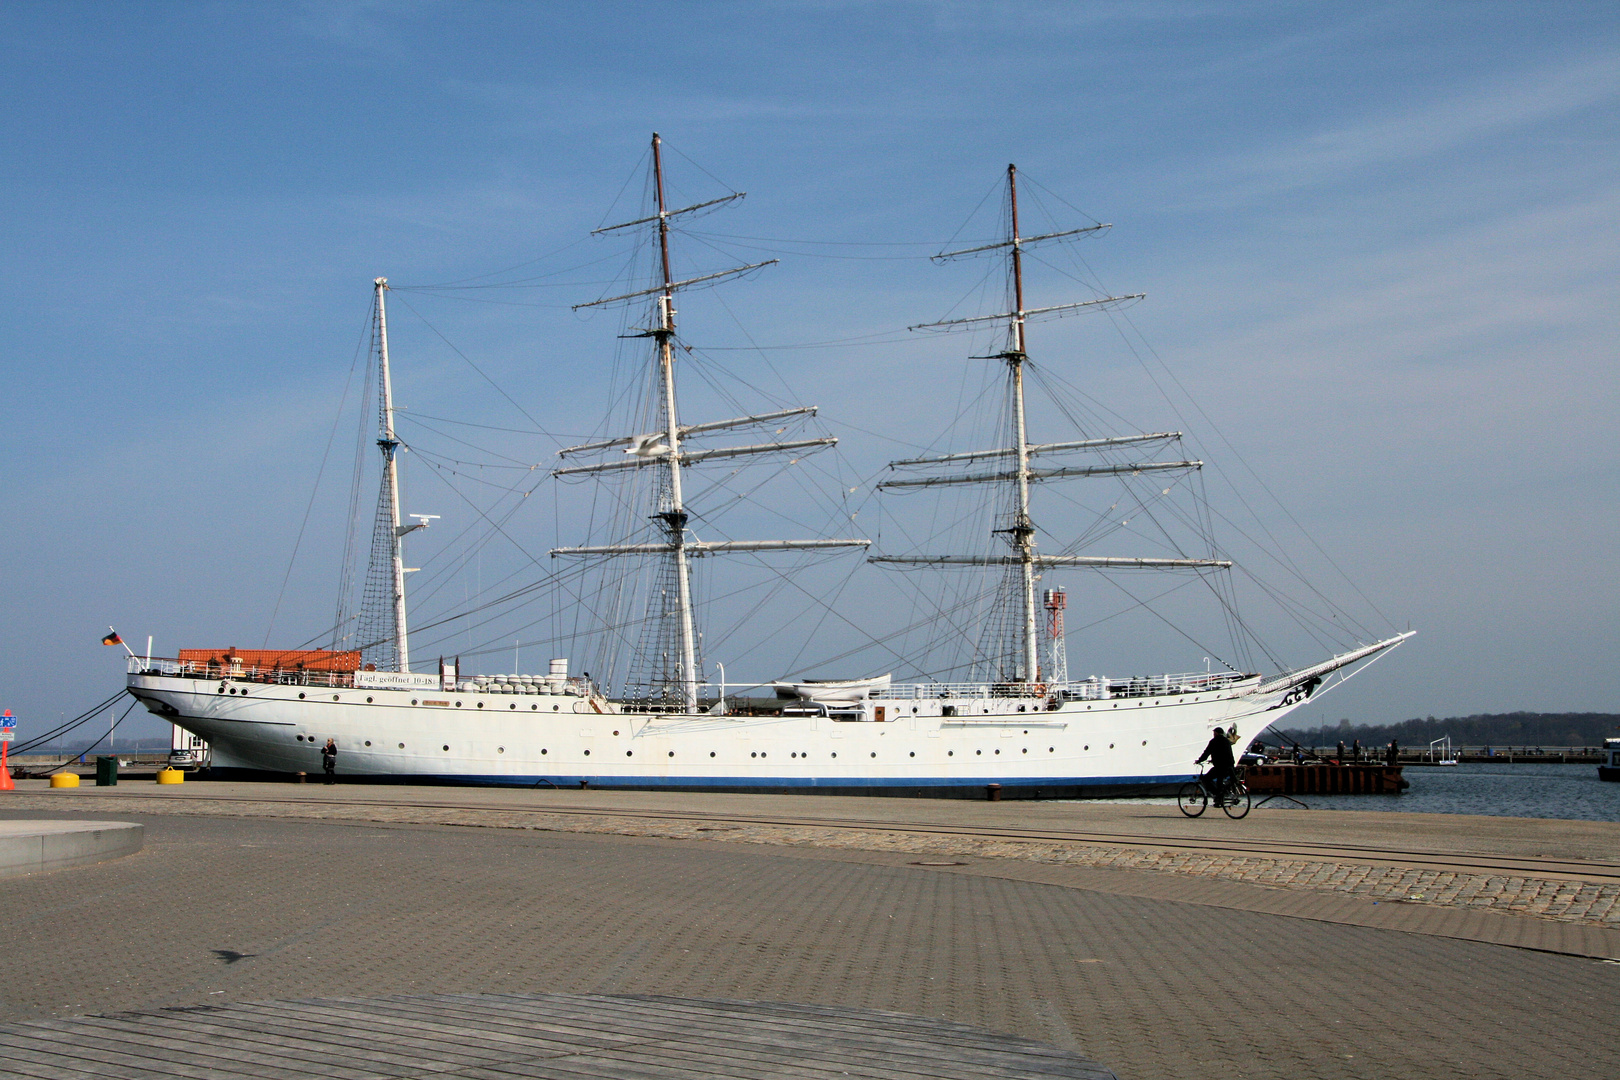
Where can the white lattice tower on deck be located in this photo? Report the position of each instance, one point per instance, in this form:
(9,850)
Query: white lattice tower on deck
(1057,658)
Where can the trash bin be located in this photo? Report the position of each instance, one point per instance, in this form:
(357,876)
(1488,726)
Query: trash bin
(106,771)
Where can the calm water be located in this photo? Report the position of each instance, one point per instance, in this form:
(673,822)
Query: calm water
(1540,791)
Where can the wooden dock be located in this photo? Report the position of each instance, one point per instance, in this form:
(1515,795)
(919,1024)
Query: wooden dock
(568,1037)
(1325,779)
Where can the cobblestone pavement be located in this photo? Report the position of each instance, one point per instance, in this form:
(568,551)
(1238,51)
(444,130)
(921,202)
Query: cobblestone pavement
(252,908)
(1539,897)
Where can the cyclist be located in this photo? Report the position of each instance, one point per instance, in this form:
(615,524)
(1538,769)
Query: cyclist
(1219,755)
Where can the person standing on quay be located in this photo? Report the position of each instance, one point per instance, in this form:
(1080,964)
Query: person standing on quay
(1394,753)
(329,760)
(1341,751)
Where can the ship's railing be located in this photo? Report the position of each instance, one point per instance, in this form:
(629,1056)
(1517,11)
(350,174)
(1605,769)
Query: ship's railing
(1092,689)
(200,669)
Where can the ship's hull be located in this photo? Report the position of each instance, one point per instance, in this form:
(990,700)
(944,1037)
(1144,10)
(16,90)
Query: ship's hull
(1027,746)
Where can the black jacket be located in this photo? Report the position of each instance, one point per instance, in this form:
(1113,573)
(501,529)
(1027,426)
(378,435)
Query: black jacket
(1218,753)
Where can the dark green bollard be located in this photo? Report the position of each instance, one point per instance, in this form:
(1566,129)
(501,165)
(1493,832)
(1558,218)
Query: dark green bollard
(106,771)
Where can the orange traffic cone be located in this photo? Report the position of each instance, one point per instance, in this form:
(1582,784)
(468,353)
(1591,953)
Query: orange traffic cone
(6,782)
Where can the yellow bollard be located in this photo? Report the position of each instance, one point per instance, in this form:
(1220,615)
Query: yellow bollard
(64,779)
(171,776)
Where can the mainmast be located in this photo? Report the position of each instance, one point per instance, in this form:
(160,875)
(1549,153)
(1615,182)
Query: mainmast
(674,517)
(665,448)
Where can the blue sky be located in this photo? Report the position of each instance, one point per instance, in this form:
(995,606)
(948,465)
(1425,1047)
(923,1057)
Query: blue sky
(1378,243)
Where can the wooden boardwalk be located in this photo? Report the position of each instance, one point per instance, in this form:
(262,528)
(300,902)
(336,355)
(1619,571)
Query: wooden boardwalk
(508,1036)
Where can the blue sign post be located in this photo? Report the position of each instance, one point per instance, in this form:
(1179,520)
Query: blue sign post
(8,731)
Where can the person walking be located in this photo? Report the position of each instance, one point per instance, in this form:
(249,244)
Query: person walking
(1219,755)
(329,760)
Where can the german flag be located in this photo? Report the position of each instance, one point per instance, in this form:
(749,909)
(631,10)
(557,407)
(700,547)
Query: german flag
(112,639)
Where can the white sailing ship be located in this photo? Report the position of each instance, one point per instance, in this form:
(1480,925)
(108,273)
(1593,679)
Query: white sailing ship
(1021,729)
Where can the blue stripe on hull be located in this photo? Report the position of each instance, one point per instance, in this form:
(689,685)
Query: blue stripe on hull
(1056,787)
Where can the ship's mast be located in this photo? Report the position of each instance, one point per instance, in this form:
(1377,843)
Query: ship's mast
(1023,530)
(390,449)
(674,517)
(1017,471)
(665,448)
(383,613)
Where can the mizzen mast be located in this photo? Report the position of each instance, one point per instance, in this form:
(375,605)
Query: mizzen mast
(384,642)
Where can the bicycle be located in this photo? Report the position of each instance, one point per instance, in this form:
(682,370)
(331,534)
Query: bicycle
(1195,797)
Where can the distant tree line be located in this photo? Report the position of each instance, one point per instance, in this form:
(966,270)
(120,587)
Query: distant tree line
(1485,729)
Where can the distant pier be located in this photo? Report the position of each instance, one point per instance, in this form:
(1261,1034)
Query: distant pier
(1325,779)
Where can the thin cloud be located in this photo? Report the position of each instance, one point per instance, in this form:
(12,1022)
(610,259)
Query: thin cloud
(1462,117)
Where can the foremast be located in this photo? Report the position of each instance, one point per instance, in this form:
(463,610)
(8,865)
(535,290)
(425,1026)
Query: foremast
(1020,532)
(665,448)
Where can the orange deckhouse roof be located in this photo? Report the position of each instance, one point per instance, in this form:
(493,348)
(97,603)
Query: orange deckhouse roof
(284,659)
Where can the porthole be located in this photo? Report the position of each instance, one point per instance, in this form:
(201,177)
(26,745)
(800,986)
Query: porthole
(368,742)
(672,753)
(763,754)
(629,753)
(587,753)
(1026,749)
(1087,746)
(402,746)
(1051,749)
(413,700)
(998,751)
(914,753)
(446,748)
(1144,742)
(500,749)
(458,705)
(1020,708)
(615,733)
(914,708)
(874,753)
(1110,746)
(300,697)
(480,704)
(542,751)
(752,754)
(554,708)
(977,752)
(711,753)
(334,697)
(793,755)
(512,706)
(300,738)
(950,753)
(835,753)
(533,707)
(368,701)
